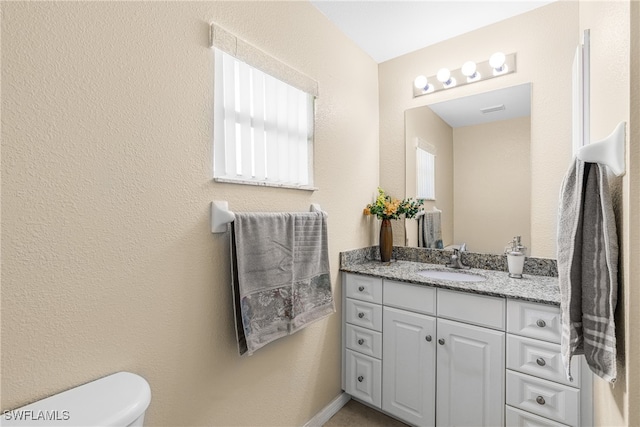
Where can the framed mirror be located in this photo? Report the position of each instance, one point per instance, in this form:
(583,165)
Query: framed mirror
(482,170)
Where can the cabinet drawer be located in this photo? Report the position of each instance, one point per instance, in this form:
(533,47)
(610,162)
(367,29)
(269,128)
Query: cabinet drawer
(477,309)
(533,320)
(364,378)
(364,341)
(517,418)
(421,299)
(541,359)
(364,314)
(364,288)
(542,397)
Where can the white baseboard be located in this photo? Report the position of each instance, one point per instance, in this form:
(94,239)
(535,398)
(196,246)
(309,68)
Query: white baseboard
(328,411)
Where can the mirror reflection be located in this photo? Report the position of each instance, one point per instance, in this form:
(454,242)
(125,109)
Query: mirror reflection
(481,171)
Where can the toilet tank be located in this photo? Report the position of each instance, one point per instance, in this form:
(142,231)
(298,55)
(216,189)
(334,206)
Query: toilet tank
(118,400)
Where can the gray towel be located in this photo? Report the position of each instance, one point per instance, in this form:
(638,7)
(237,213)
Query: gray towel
(281,278)
(588,269)
(430,230)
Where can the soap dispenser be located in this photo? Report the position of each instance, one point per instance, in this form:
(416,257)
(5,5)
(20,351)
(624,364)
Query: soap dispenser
(515,257)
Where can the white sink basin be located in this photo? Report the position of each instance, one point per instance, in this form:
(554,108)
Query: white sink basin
(455,276)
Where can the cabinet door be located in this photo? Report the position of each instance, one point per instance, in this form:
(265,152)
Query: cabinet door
(363,378)
(408,366)
(471,371)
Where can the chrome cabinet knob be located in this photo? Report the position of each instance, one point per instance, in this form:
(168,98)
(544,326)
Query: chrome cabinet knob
(540,361)
(541,323)
(361,288)
(428,338)
(441,341)
(360,341)
(361,315)
(540,400)
(360,378)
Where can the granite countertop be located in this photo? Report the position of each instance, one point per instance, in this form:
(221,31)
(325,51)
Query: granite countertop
(541,289)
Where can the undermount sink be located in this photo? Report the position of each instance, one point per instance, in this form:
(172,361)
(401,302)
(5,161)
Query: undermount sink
(455,276)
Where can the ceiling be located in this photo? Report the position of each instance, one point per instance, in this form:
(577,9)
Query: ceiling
(500,104)
(388,29)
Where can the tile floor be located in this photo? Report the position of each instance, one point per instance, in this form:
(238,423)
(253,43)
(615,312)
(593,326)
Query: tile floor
(355,414)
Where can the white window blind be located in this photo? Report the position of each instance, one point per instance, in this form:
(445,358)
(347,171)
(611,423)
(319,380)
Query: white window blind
(425,173)
(263,128)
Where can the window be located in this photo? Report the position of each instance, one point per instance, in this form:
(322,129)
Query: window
(263,127)
(425,171)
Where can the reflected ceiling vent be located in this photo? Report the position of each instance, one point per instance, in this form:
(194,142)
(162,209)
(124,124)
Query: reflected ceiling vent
(493,109)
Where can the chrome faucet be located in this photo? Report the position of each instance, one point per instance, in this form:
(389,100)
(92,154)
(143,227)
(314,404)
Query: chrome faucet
(456,259)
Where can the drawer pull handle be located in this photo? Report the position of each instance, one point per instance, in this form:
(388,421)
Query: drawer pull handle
(361,315)
(540,400)
(360,378)
(428,338)
(441,341)
(361,288)
(360,341)
(540,361)
(541,323)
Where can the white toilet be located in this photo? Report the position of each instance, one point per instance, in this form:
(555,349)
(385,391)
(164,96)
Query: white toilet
(118,400)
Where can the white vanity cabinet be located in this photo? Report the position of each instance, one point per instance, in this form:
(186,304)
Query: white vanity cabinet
(362,332)
(538,391)
(436,357)
(426,334)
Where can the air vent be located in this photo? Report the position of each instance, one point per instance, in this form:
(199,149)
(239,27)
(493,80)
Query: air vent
(493,109)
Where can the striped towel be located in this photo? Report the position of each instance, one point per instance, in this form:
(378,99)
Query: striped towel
(588,269)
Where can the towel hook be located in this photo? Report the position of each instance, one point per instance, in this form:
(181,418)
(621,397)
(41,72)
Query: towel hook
(609,151)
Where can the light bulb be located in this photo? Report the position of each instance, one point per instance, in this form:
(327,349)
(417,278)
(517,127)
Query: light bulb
(421,82)
(444,76)
(497,62)
(469,69)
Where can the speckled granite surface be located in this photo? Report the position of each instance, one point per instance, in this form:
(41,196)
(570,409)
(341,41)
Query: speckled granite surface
(535,266)
(536,288)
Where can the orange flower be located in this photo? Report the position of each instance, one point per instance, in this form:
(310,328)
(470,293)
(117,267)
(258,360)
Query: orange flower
(366,211)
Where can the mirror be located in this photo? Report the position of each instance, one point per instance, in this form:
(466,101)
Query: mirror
(481,145)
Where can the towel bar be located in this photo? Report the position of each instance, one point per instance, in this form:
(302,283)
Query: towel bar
(221,215)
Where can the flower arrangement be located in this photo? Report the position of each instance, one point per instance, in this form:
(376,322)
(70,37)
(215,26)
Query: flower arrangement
(387,208)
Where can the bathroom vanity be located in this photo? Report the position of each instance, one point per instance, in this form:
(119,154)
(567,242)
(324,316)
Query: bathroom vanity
(482,350)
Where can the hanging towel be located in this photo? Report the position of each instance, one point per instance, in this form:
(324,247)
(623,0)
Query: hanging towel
(588,269)
(281,280)
(431,229)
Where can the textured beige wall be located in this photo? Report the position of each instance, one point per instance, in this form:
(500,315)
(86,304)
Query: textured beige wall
(108,262)
(614,68)
(544,40)
(491,184)
(632,267)
(423,123)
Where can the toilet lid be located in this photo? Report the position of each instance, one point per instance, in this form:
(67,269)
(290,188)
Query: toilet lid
(115,400)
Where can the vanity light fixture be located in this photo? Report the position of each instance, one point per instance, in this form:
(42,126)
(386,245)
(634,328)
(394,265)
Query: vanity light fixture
(498,64)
